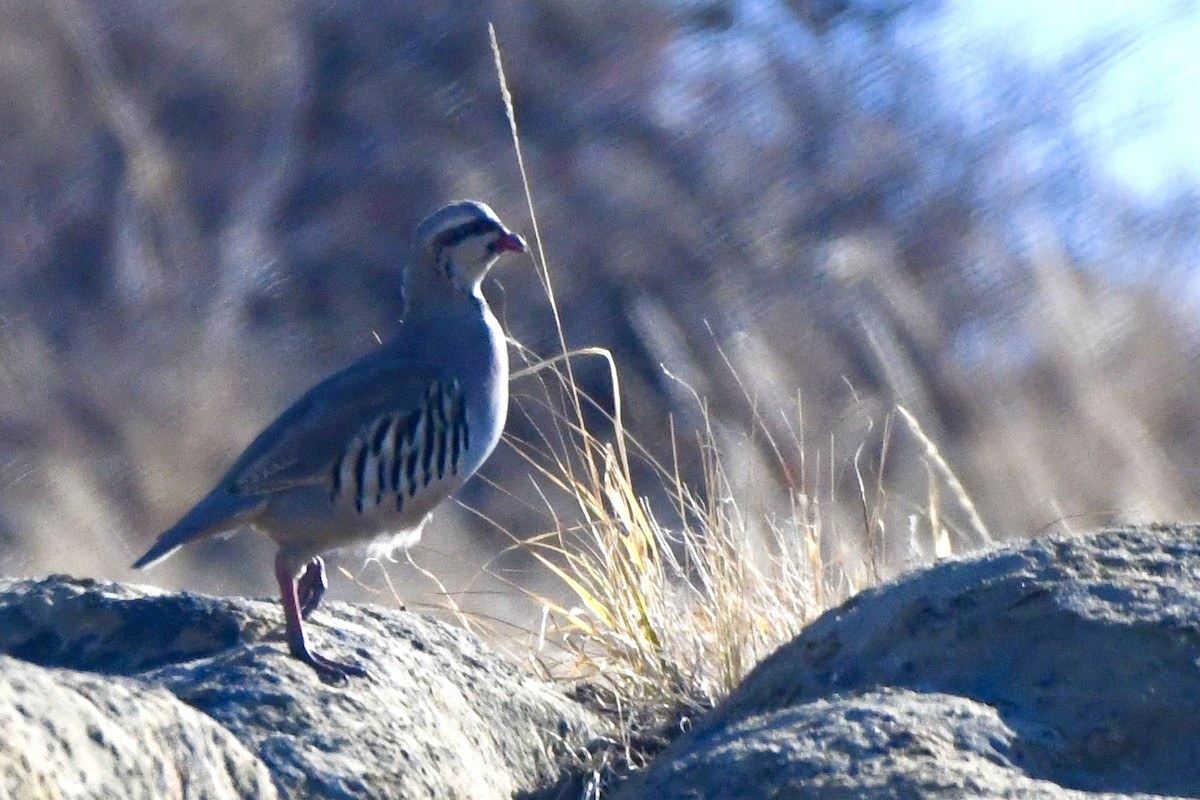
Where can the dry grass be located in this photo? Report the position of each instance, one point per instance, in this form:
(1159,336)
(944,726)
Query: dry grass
(670,610)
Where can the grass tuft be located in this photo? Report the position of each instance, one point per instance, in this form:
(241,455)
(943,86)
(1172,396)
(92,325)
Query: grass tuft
(670,602)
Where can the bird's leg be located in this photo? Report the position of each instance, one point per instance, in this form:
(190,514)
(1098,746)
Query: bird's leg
(311,586)
(327,669)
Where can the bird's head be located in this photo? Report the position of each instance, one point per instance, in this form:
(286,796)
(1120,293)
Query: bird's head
(463,240)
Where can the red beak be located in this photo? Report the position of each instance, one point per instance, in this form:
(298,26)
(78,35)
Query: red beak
(511,242)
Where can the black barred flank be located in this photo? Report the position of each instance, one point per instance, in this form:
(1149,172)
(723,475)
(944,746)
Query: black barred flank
(430,435)
(410,472)
(456,449)
(440,407)
(444,432)
(397,456)
(466,429)
(440,451)
(360,476)
(382,426)
(462,431)
(336,482)
(382,429)
(403,454)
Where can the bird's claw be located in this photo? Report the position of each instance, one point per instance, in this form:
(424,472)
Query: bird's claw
(331,671)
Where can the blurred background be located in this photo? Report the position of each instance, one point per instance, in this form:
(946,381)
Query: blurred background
(802,213)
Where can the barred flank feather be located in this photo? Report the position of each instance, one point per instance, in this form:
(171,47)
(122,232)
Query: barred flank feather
(399,454)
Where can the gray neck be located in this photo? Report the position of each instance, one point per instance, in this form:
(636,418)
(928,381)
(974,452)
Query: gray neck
(431,287)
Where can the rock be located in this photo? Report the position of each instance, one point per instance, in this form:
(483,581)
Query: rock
(74,734)
(117,691)
(1065,667)
(1060,668)
(885,743)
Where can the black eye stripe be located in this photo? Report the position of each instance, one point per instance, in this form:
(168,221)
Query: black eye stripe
(458,234)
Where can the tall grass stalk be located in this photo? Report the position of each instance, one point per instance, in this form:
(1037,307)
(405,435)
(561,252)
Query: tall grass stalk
(665,610)
(673,602)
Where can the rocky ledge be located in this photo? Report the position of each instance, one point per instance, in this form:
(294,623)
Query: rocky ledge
(113,691)
(1063,667)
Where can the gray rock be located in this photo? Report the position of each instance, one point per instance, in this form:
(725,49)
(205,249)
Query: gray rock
(886,743)
(116,691)
(1063,668)
(1066,667)
(73,734)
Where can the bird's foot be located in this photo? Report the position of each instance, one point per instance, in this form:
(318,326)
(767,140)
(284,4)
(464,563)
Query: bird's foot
(331,671)
(300,597)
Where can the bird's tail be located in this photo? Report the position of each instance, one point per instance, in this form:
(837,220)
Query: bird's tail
(217,513)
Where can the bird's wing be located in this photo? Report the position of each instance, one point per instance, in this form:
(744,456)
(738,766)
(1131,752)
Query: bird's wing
(302,446)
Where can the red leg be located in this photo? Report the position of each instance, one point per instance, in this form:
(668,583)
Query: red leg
(311,586)
(328,669)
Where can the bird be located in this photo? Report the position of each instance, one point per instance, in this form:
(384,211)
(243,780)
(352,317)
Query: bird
(364,456)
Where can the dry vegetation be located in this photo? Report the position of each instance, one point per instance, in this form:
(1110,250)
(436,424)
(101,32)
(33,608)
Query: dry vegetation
(665,618)
(853,332)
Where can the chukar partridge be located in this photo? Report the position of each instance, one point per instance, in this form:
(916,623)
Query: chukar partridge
(364,456)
